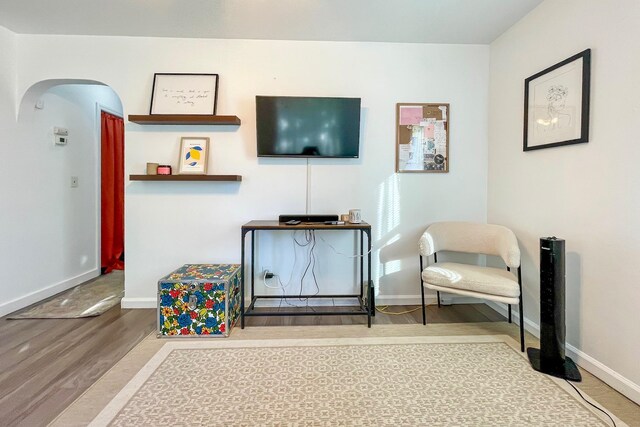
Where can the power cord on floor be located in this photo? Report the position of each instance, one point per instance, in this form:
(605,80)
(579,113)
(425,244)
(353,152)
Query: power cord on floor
(383,309)
(595,406)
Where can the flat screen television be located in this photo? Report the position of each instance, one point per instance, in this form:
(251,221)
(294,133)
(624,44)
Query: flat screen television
(289,126)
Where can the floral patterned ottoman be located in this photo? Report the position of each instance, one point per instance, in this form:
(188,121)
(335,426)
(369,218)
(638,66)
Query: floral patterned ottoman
(199,300)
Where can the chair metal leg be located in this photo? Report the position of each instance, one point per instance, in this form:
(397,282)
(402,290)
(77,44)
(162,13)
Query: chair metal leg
(509,269)
(424,310)
(521,311)
(438,292)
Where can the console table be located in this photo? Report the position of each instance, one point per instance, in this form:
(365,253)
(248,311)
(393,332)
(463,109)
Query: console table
(366,300)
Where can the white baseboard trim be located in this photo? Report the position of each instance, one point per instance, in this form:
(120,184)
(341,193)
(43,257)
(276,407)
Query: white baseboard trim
(594,366)
(139,303)
(380,300)
(328,302)
(501,308)
(41,294)
(428,299)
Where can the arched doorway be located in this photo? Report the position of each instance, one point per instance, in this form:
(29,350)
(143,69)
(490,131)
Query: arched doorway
(65,213)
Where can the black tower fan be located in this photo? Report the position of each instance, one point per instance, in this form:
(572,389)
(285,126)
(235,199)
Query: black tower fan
(551,359)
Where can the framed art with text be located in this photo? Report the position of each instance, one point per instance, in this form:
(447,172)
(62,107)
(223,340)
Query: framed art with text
(184,94)
(422,137)
(556,104)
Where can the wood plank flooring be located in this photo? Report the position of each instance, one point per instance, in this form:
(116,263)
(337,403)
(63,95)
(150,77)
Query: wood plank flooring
(47,364)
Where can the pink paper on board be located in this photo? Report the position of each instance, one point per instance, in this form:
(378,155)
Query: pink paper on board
(429,131)
(410,115)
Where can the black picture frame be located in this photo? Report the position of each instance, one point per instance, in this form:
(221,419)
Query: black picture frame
(188,82)
(556,112)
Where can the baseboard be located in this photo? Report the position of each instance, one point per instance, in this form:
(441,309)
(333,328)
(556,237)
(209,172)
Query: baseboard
(404,299)
(428,299)
(42,294)
(138,303)
(380,300)
(529,325)
(328,302)
(594,366)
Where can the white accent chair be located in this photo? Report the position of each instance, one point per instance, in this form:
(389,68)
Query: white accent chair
(489,283)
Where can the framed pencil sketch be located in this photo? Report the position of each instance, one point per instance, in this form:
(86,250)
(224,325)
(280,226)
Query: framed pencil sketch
(194,152)
(422,137)
(556,104)
(184,94)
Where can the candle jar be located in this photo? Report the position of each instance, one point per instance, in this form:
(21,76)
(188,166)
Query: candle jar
(152,168)
(164,170)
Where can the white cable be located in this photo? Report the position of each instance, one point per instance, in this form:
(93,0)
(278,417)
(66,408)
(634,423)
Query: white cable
(264,282)
(343,254)
(281,287)
(306,209)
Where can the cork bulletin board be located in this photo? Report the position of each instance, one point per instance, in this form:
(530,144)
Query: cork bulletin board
(422,137)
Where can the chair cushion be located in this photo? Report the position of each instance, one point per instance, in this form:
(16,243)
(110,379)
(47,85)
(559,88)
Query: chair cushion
(486,280)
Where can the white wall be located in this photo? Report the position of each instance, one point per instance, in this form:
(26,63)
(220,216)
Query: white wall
(49,230)
(7,73)
(586,193)
(168,224)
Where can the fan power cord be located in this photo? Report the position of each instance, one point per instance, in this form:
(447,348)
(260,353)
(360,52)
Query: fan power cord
(595,406)
(383,309)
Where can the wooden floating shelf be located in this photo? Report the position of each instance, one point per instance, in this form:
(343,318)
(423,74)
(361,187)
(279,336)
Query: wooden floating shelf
(180,119)
(227,178)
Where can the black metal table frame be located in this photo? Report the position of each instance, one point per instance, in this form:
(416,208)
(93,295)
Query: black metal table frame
(367,308)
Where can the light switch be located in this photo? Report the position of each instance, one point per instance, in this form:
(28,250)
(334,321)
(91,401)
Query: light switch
(74,181)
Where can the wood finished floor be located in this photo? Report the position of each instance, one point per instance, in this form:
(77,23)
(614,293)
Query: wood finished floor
(47,364)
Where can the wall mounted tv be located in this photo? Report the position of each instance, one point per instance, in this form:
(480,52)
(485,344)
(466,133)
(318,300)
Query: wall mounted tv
(289,126)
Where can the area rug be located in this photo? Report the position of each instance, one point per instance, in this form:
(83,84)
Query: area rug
(395,381)
(89,299)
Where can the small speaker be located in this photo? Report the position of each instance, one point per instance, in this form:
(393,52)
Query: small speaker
(550,358)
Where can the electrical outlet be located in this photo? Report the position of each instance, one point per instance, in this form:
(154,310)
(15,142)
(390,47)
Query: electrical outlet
(74,181)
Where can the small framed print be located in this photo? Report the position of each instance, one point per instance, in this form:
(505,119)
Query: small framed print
(556,104)
(194,152)
(184,94)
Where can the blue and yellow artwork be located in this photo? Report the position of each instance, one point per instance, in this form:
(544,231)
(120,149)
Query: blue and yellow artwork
(193,154)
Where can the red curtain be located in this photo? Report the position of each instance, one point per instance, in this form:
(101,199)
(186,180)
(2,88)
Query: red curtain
(112,229)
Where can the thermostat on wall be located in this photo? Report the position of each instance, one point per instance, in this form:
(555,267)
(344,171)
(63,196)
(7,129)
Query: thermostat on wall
(60,136)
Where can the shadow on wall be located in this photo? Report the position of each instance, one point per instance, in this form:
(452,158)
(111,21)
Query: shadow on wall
(397,252)
(573,296)
(385,236)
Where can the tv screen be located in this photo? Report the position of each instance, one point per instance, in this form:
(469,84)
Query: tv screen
(290,126)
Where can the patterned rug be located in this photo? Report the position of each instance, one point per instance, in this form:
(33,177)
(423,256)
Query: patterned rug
(86,300)
(400,381)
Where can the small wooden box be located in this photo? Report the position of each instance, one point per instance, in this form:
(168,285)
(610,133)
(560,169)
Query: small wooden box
(199,300)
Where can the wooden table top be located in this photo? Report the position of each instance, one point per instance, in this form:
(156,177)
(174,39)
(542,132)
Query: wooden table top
(276,225)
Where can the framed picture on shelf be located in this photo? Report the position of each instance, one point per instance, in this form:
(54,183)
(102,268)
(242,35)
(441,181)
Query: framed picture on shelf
(422,137)
(556,104)
(184,94)
(194,152)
